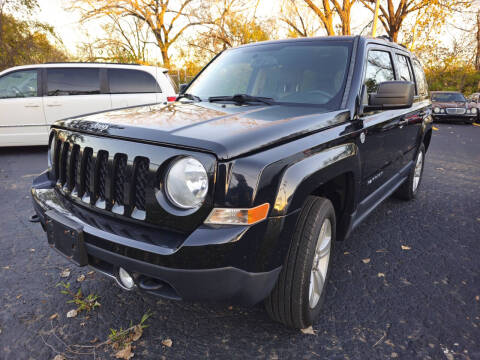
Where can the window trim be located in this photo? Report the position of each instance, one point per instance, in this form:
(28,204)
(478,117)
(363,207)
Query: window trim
(39,82)
(107,80)
(426,94)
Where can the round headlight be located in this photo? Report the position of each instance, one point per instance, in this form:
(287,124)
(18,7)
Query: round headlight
(474,110)
(442,110)
(436,110)
(186,183)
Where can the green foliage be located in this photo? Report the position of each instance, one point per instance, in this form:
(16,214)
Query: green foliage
(88,303)
(459,78)
(23,42)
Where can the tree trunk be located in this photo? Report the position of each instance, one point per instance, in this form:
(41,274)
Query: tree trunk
(477,56)
(165,58)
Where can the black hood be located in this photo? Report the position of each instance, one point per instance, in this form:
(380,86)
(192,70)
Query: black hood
(226,130)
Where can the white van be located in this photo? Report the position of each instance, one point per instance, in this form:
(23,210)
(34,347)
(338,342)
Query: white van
(33,97)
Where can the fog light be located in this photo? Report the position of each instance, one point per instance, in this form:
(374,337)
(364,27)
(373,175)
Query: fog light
(125,279)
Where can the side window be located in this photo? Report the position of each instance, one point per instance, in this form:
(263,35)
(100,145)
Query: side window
(73,81)
(379,69)
(19,84)
(422,87)
(124,81)
(404,68)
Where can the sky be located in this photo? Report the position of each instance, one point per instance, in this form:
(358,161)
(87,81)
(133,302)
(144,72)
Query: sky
(66,23)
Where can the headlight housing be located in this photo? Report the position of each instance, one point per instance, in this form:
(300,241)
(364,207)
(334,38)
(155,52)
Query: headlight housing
(186,183)
(436,110)
(442,111)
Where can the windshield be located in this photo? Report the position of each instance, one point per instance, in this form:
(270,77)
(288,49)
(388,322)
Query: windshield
(448,97)
(311,72)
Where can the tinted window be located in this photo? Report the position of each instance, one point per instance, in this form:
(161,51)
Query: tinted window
(69,81)
(448,97)
(379,69)
(19,84)
(123,81)
(312,73)
(421,81)
(404,68)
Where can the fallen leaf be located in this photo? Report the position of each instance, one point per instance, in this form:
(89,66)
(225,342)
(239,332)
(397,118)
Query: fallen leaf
(167,343)
(32,250)
(6,267)
(125,353)
(381,275)
(19,296)
(72,313)
(405,247)
(440,169)
(477,298)
(65,273)
(81,278)
(54,316)
(59,357)
(434,128)
(230,308)
(91,272)
(94,341)
(308,331)
(366,261)
(83,324)
(137,333)
(346,253)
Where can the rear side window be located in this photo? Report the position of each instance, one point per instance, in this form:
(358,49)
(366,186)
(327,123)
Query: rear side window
(19,84)
(124,81)
(404,68)
(422,87)
(73,81)
(379,69)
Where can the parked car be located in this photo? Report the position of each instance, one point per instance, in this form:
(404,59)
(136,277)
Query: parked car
(474,100)
(33,97)
(238,191)
(452,106)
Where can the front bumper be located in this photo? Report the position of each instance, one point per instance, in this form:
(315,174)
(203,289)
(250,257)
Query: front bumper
(212,264)
(455,118)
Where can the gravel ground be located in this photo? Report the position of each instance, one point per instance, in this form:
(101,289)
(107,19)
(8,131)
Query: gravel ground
(405,285)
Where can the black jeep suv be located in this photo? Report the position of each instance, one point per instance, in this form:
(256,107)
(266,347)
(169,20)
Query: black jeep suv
(238,191)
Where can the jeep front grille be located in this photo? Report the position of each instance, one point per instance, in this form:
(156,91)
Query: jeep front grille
(89,177)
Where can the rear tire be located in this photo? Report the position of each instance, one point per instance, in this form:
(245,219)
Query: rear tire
(300,290)
(409,189)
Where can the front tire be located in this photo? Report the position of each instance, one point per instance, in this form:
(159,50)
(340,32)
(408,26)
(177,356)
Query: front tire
(409,189)
(299,293)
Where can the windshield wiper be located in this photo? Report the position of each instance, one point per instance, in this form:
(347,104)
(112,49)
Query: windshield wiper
(242,99)
(190,97)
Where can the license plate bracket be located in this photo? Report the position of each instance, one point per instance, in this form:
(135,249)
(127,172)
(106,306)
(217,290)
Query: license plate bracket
(67,237)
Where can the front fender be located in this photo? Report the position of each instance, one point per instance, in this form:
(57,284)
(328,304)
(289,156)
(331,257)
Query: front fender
(303,177)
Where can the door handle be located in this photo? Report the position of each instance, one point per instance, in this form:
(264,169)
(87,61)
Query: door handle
(54,104)
(32,106)
(403,122)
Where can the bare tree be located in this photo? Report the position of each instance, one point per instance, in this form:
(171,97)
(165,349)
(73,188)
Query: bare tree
(167,20)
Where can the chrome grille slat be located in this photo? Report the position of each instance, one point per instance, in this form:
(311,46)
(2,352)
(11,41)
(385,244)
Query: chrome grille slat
(455,111)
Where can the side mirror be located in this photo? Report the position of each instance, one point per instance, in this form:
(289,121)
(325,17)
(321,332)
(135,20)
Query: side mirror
(182,88)
(391,95)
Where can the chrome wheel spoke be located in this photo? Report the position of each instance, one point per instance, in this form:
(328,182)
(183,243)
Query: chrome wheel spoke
(320,263)
(418,171)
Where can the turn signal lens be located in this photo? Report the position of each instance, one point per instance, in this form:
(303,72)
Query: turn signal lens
(171,98)
(225,216)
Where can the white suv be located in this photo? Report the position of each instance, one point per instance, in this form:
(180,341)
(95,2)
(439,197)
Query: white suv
(33,97)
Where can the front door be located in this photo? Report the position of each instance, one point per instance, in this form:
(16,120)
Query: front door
(22,121)
(381,150)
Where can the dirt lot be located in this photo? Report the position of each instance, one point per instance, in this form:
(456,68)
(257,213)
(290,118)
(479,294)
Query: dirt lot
(405,285)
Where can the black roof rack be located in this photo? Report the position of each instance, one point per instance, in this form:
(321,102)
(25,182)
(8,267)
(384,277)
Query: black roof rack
(90,62)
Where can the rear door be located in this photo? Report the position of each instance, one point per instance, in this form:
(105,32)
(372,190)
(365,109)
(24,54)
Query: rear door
(22,121)
(411,123)
(129,87)
(73,91)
